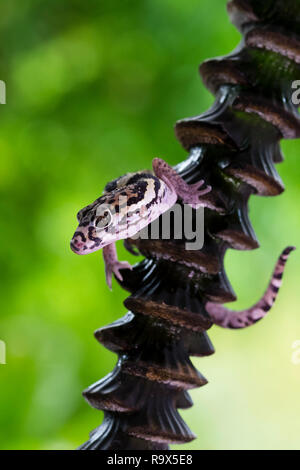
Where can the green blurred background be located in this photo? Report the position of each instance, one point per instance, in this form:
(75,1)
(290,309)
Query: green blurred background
(93,91)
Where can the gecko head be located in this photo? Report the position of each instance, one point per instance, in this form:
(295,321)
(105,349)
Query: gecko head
(103,222)
(92,232)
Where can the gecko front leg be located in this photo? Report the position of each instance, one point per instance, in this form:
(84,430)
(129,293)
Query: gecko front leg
(112,264)
(188,193)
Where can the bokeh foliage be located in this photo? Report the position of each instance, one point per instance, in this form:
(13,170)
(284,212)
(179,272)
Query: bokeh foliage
(93,91)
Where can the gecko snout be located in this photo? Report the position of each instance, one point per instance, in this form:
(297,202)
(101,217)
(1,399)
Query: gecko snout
(77,245)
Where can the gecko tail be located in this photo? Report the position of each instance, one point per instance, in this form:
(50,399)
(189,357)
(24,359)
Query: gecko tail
(226,318)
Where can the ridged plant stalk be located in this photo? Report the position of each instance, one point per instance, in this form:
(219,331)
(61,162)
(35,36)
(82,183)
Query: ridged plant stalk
(234,146)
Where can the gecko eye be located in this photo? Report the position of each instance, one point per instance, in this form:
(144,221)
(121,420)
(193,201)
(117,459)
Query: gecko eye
(103,220)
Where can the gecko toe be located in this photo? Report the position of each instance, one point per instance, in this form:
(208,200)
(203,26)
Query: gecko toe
(118,275)
(109,279)
(205,191)
(120,265)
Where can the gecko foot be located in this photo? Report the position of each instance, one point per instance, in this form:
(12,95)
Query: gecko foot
(189,193)
(192,193)
(114,268)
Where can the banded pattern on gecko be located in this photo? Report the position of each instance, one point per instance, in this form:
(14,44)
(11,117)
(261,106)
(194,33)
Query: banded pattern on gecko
(131,203)
(227,318)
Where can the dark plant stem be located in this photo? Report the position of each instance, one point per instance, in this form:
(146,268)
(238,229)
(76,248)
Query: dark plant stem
(233,147)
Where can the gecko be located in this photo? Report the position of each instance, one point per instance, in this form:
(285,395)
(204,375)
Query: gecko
(129,204)
(132,202)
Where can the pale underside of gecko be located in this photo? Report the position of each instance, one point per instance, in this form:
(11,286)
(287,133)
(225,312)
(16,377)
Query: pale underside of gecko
(131,203)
